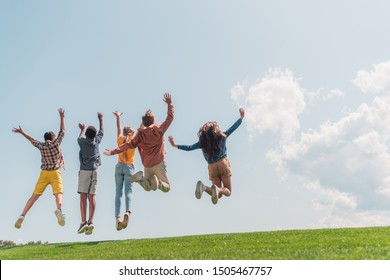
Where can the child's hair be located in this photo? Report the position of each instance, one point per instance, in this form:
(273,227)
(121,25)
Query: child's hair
(148,119)
(210,137)
(90,132)
(128,131)
(49,136)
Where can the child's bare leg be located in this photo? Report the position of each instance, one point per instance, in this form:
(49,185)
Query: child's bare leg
(226,188)
(30,202)
(92,206)
(83,207)
(58,197)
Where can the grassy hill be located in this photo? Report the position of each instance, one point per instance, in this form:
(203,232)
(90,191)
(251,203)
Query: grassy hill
(324,244)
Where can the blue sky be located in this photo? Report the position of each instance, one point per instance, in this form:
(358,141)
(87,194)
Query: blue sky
(313,77)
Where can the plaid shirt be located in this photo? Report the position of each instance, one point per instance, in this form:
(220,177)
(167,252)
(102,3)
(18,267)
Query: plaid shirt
(51,154)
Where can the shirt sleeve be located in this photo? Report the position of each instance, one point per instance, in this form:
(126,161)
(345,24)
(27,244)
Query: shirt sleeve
(132,144)
(61,135)
(233,127)
(99,136)
(36,143)
(189,147)
(168,120)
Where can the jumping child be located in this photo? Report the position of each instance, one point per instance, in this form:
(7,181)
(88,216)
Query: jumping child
(212,141)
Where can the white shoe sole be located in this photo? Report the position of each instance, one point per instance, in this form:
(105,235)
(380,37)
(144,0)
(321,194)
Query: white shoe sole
(199,190)
(214,194)
(60,218)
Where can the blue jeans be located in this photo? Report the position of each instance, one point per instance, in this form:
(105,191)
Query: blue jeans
(123,172)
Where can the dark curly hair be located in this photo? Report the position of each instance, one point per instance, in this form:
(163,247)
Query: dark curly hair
(210,137)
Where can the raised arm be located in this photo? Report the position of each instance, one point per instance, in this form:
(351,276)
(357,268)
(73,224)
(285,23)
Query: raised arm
(100,117)
(118,122)
(20,130)
(242,113)
(125,146)
(62,117)
(237,123)
(82,129)
(168,99)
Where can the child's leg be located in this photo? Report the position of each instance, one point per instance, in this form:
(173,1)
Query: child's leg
(83,207)
(58,197)
(128,187)
(145,183)
(119,179)
(160,170)
(30,202)
(226,188)
(92,206)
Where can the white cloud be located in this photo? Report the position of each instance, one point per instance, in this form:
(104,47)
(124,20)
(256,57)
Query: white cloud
(345,164)
(333,94)
(375,81)
(350,157)
(273,103)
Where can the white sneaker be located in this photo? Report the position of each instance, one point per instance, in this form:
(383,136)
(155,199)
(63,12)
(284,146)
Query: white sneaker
(214,194)
(199,189)
(60,217)
(89,229)
(19,222)
(164,187)
(137,177)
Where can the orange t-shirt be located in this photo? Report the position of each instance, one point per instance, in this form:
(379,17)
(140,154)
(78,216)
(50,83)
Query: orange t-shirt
(126,157)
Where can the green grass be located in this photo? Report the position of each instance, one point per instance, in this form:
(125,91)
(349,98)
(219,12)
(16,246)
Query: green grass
(325,244)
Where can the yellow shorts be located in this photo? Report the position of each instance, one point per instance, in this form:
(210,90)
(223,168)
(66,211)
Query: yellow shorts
(49,177)
(220,169)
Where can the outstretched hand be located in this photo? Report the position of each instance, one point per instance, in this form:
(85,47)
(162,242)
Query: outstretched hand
(81,126)
(107,152)
(242,112)
(118,114)
(17,129)
(167,98)
(172,141)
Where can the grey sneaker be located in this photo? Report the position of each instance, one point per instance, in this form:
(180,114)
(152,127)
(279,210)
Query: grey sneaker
(60,217)
(19,222)
(137,177)
(153,182)
(214,194)
(83,227)
(199,189)
(90,229)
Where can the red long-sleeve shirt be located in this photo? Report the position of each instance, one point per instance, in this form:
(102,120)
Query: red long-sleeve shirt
(150,141)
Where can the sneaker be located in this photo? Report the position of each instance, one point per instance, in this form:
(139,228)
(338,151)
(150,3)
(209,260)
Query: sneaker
(60,217)
(153,182)
(19,222)
(90,229)
(119,226)
(137,177)
(83,227)
(214,194)
(199,189)
(126,219)
(163,188)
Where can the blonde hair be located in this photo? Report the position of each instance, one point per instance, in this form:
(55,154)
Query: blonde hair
(128,132)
